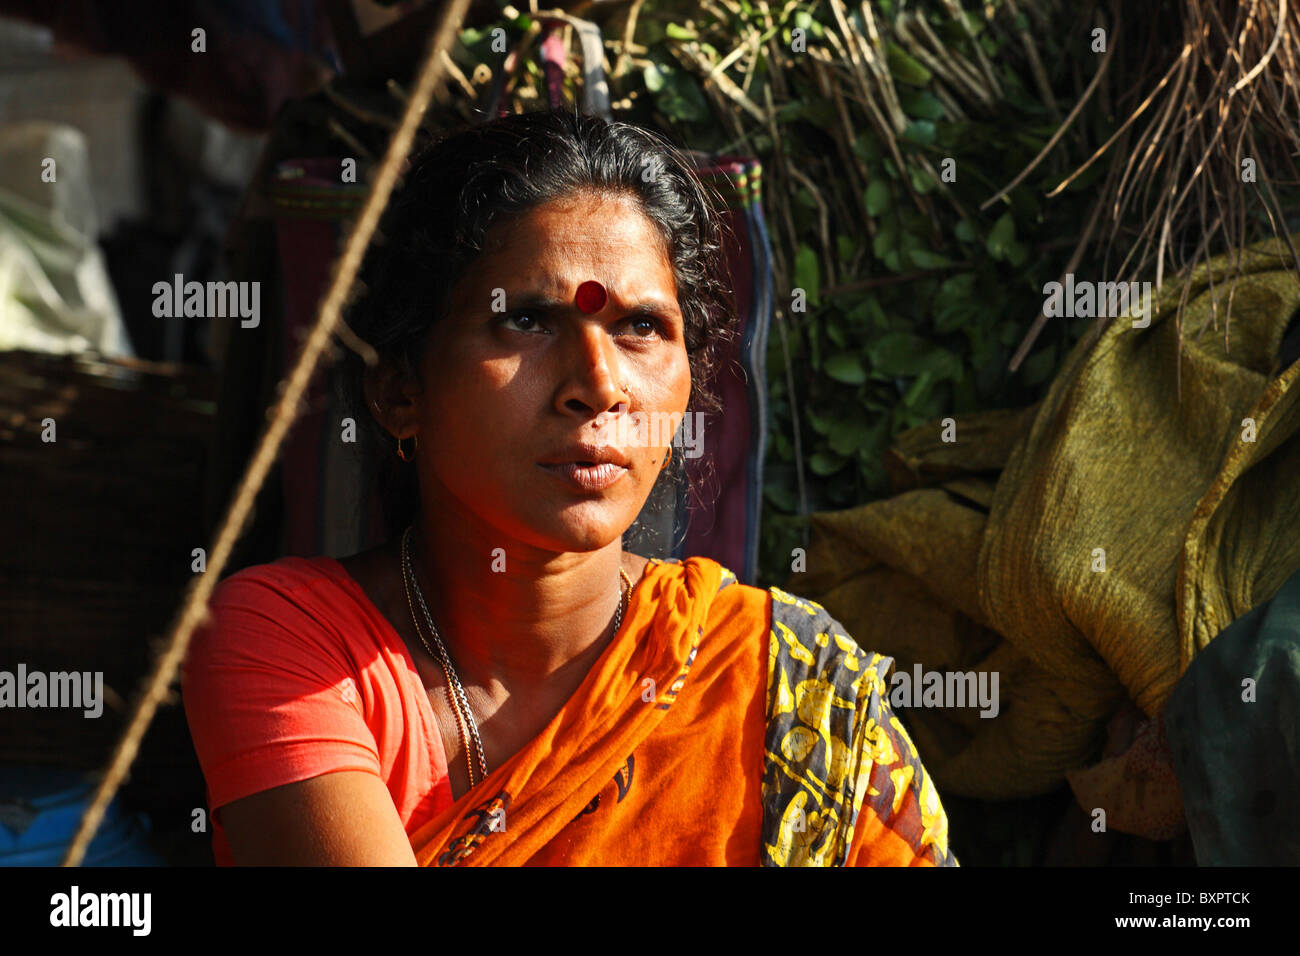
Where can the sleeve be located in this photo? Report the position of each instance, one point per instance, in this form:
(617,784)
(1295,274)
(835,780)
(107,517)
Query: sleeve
(901,822)
(270,694)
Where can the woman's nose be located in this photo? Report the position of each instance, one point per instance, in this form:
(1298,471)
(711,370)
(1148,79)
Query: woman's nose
(593,384)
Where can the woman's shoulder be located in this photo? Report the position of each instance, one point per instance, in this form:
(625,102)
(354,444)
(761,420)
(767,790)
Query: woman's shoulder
(802,633)
(785,611)
(795,617)
(316,585)
(729,598)
(284,575)
(809,643)
(806,642)
(294,600)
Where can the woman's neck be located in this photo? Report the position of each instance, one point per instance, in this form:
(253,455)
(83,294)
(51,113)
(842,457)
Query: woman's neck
(512,615)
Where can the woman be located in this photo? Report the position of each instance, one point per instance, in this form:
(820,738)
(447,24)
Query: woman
(501,682)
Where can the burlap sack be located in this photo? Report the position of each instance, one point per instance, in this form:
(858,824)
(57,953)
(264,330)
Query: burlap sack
(992,560)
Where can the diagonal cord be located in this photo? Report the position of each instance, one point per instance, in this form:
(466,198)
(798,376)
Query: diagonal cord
(195,609)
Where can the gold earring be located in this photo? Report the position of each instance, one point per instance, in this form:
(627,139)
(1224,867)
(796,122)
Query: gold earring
(402,454)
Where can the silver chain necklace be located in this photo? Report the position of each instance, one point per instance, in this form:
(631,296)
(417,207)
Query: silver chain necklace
(455,690)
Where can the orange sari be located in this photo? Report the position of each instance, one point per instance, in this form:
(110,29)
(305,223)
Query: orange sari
(689,744)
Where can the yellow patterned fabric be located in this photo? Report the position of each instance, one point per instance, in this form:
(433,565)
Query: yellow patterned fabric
(843,783)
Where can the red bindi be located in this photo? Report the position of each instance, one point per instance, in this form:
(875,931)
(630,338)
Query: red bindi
(591,296)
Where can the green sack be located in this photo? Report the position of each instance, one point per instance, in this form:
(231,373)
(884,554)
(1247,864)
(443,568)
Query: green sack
(989,557)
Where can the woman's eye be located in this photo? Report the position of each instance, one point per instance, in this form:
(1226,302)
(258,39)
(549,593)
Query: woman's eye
(523,321)
(648,323)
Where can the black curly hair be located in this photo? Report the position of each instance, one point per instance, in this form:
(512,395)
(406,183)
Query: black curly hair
(459,186)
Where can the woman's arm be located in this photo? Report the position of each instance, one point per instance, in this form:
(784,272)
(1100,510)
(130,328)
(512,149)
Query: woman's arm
(277,712)
(336,819)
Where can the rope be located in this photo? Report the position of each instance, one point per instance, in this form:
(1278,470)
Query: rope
(195,609)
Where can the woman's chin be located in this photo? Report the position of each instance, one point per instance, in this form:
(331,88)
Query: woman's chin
(585,526)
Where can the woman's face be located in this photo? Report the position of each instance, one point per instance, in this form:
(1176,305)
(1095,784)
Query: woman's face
(517,374)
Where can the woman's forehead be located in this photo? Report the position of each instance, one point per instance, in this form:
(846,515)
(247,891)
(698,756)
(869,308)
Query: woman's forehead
(552,251)
(599,226)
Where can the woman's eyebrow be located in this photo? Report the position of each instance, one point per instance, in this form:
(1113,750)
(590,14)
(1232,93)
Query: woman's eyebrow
(535,300)
(650,308)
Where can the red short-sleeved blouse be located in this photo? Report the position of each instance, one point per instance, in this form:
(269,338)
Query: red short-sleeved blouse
(325,685)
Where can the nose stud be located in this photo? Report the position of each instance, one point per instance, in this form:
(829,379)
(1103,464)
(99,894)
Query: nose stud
(591,296)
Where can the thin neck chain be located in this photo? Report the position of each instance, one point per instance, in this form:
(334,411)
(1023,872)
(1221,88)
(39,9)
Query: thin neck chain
(465,723)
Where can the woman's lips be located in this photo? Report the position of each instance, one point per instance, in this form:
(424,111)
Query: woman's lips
(587,477)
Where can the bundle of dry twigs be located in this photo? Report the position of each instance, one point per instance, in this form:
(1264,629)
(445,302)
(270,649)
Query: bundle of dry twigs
(1210,130)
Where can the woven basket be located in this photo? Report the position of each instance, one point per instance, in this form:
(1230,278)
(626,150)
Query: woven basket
(100,525)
